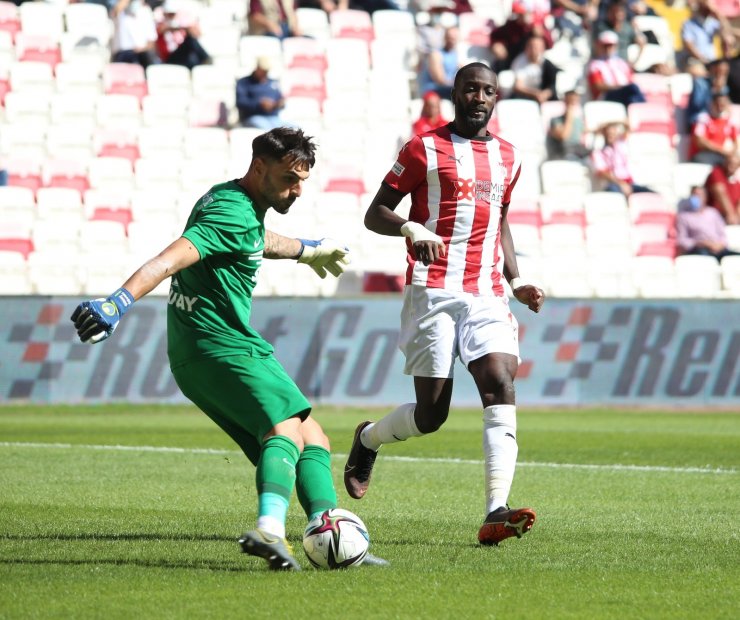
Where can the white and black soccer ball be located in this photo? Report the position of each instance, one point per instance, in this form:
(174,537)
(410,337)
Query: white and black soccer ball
(336,538)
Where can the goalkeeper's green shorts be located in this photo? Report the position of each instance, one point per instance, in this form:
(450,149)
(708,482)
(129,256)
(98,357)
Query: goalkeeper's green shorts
(246,396)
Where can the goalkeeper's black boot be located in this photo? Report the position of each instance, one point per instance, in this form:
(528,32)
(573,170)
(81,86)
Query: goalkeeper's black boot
(274,549)
(359,466)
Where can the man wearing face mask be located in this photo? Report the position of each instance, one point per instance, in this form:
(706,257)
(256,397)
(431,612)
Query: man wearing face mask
(715,135)
(700,229)
(135,34)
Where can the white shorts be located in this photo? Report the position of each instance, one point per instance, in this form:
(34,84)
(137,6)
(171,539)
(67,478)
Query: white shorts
(439,325)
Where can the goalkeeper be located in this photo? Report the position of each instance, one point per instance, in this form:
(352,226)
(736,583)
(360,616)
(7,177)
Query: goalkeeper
(218,360)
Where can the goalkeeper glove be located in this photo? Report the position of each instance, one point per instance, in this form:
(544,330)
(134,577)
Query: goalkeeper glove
(324,255)
(97,319)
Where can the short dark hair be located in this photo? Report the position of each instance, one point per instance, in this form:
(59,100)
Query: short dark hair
(470,67)
(282,142)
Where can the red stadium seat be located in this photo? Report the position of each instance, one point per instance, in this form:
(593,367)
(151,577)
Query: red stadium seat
(475,29)
(24,173)
(4,87)
(65,173)
(37,48)
(301,82)
(656,88)
(304,52)
(117,143)
(122,78)
(10,21)
(577,218)
(351,24)
(122,216)
(652,117)
(658,248)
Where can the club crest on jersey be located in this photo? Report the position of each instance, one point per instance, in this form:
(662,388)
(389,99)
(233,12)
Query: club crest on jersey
(467,189)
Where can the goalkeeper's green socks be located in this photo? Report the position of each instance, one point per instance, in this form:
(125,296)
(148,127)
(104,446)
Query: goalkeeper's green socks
(314,484)
(276,476)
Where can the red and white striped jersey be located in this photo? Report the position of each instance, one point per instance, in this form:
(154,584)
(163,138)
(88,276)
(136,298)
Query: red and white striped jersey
(612,71)
(458,187)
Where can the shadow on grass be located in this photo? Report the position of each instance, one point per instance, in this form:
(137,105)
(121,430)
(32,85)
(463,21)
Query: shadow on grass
(121,536)
(212,565)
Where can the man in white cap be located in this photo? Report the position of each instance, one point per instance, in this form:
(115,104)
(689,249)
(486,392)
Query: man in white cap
(609,76)
(259,99)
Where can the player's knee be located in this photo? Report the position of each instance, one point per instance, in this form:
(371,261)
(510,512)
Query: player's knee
(430,419)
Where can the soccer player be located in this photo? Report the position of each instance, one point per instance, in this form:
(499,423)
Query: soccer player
(218,360)
(460,178)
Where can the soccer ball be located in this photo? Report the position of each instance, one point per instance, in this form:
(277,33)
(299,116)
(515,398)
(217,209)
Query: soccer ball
(336,538)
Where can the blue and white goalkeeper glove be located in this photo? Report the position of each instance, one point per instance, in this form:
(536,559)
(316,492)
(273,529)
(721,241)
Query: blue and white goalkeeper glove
(324,255)
(97,319)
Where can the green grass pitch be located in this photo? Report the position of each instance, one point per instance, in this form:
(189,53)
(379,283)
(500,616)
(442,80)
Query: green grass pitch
(134,511)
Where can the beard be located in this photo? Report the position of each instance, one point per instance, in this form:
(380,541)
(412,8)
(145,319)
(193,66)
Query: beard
(467,122)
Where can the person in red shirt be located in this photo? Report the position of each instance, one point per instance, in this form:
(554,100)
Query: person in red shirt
(509,39)
(431,115)
(177,38)
(609,76)
(460,178)
(723,188)
(714,135)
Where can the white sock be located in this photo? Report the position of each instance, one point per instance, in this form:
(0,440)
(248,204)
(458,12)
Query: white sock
(499,451)
(398,425)
(271,525)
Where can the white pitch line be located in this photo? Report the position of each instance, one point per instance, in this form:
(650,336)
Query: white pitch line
(405,459)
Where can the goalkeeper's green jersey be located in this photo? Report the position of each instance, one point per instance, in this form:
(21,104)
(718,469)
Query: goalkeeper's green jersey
(210,302)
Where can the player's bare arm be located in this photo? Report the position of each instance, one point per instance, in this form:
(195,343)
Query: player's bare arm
(529,294)
(277,246)
(381,218)
(175,257)
(322,255)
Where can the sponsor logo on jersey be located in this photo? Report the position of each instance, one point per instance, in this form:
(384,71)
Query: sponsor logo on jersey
(398,169)
(467,189)
(182,302)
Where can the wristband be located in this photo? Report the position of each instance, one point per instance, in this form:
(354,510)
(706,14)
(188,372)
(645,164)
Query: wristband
(516,283)
(123,300)
(304,243)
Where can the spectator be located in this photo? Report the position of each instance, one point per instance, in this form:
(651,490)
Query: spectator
(177,38)
(135,33)
(701,229)
(616,21)
(715,134)
(432,34)
(611,162)
(431,115)
(258,98)
(723,188)
(276,18)
(534,75)
(609,76)
(374,5)
(699,31)
(704,82)
(509,39)
(437,70)
(573,17)
(565,138)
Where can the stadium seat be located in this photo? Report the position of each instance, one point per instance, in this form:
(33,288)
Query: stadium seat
(728,8)
(240,142)
(652,117)
(650,55)
(86,52)
(122,78)
(654,276)
(119,111)
(106,214)
(17,203)
(25,108)
(162,142)
(207,112)
(103,237)
(165,110)
(596,114)
(609,241)
(352,24)
(656,88)
(554,208)
(661,28)
(611,278)
(69,142)
(32,77)
(475,29)
(42,18)
(23,172)
(80,79)
(54,273)
(658,249)
(394,26)
(167,79)
(66,173)
(564,176)
(59,203)
(519,119)
(215,82)
(351,56)
(199,175)
(158,173)
(526,238)
(730,270)
(24,140)
(37,48)
(253,46)
(657,233)
(606,207)
(304,112)
(6,59)
(146,240)
(650,208)
(687,175)
(304,82)
(74,110)
(313,22)
(566,277)
(154,205)
(681,85)
(343,177)
(111,173)
(697,276)
(222,42)
(95,199)
(117,142)
(10,20)
(13,272)
(206,142)
(524,212)
(733,237)
(88,20)
(562,240)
